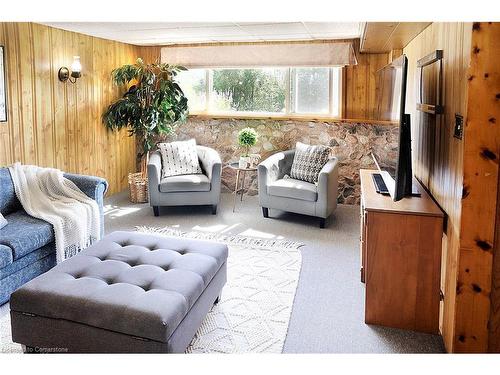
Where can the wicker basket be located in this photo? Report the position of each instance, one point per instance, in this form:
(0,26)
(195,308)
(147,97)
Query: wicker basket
(137,188)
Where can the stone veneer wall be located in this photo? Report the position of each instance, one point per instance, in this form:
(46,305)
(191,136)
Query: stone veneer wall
(351,143)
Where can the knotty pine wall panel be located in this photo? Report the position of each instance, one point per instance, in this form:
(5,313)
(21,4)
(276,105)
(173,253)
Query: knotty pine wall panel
(494,321)
(478,293)
(150,54)
(437,155)
(360,87)
(54,124)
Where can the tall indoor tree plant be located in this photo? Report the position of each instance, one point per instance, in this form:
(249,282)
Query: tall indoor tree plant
(153,105)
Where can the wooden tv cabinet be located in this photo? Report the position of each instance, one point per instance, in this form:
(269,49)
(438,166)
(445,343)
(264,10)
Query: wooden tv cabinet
(400,258)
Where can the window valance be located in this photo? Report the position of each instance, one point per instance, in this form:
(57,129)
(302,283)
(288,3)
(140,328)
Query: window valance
(324,53)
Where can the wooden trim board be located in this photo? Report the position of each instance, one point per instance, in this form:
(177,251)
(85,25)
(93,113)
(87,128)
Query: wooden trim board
(480,193)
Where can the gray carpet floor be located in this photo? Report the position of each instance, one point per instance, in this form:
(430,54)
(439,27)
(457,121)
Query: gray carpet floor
(328,311)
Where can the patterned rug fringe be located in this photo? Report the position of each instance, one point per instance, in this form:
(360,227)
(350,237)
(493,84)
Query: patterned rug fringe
(262,243)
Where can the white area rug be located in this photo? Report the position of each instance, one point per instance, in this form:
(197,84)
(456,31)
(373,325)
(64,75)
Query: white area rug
(253,313)
(256,303)
(6,344)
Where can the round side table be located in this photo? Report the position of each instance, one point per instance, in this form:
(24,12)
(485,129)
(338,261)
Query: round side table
(239,173)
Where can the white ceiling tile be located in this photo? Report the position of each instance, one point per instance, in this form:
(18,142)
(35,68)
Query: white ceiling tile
(158,33)
(134,25)
(210,31)
(275,28)
(288,37)
(173,25)
(339,28)
(236,38)
(188,33)
(333,36)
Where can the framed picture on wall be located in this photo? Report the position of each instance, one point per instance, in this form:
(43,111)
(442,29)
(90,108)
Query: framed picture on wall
(3,89)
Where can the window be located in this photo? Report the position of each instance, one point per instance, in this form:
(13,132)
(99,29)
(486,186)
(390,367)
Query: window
(194,84)
(249,90)
(268,91)
(310,90)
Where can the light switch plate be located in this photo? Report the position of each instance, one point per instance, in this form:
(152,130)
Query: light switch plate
(459,126)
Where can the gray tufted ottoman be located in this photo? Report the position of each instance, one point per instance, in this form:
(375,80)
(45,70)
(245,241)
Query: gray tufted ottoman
(130,292)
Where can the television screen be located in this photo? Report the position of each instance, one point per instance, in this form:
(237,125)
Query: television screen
(396,172)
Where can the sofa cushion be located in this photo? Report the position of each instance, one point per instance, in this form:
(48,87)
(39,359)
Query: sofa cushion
(133,283)
(6,257)
(8,200)
(26,262)
(185,183)
(23,270)
(24,233)
(292,188)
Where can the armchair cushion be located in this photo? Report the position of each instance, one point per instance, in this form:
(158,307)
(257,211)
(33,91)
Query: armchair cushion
(185,183)
(275,167)
(210,161)
(292,188)
(308,162)
(179,158)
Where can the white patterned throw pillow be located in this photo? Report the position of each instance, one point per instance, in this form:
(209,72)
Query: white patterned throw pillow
(308,162)
(179,158)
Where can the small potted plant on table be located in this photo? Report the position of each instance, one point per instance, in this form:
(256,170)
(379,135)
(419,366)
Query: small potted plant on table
(247,138)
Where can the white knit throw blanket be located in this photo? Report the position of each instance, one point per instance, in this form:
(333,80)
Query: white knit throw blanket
(46,194)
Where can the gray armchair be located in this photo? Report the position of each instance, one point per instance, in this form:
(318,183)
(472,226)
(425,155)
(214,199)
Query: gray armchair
(297,196)
(186,190)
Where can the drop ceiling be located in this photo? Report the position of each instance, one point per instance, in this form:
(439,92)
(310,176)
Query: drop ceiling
(380,37)
(153,33)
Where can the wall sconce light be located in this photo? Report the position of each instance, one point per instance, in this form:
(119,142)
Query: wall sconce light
(76,71)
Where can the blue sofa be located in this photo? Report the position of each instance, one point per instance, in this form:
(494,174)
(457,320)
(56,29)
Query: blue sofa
(27,244)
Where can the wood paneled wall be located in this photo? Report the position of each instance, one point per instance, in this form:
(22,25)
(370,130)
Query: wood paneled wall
(437,155)
(360,86)
(57,124)
(149,54)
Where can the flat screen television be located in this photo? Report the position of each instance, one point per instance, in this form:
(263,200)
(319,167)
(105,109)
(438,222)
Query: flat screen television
(396,172)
